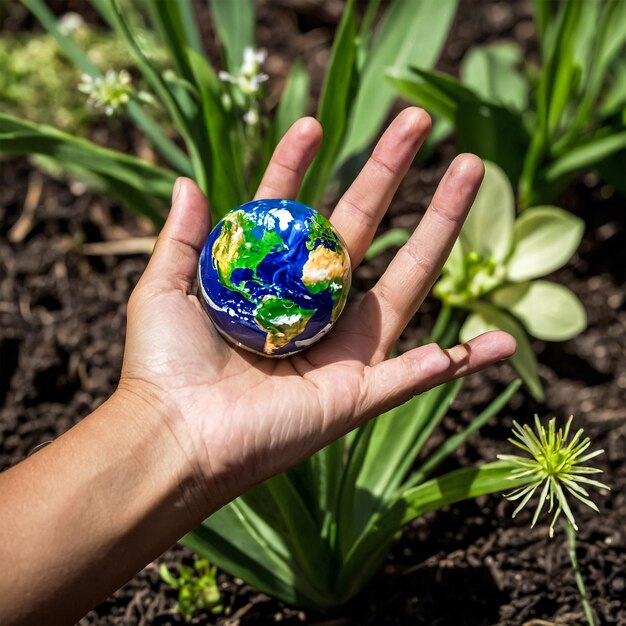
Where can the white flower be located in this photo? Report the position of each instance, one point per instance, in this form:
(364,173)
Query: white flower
(110,92)
(249,77)
(70,23)
(251,117)
(252,60)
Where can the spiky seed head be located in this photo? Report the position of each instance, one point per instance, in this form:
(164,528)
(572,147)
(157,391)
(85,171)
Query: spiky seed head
(554,464)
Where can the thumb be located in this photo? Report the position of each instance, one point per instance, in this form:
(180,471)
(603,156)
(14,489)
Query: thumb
(174,261)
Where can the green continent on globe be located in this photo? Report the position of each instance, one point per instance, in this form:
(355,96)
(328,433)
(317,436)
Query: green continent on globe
(327,268)
(238,248)
(321,230)
(282,320)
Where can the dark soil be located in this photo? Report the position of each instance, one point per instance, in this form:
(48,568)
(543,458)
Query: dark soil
(62,319)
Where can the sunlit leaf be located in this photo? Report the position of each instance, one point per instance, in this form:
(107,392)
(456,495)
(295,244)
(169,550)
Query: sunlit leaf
(408,33)
(489,225)
(393,238)
(545,238)
(234,22)
(486,318)
(492,73)
(548,310)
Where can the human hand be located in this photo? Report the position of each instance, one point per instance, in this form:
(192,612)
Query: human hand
(240,418)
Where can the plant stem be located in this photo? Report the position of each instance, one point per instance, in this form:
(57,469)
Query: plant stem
(446,329)
(580,583)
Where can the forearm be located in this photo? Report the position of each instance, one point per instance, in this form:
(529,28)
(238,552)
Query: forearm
(83,515)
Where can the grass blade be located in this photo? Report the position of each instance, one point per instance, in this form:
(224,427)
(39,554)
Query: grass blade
(143,186)
(369,551)
(409,32)
(335,105)
(234,21)
(177,29)
(452,443)
(394,238)
(294,100)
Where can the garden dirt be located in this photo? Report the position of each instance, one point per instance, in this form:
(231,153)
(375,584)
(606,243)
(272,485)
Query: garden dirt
(62,316)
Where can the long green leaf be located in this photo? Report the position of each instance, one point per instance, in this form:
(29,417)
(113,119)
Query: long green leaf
(234,21)
(391,449)
(453,442)
(584,156)
(409,33)
(151,186)
(188,124)
(239,541)
(294,100)
(225,184)
(335,105)
(393,238)
(302,533)
(173,21)
(369,552)
(426,95)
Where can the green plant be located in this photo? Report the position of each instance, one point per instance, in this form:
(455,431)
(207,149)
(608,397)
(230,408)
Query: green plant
(221,118)
(556,463)
(197,588)
(493,270)
(315,535)
(545,125)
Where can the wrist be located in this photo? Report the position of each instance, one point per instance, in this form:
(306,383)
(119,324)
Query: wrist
(167,446)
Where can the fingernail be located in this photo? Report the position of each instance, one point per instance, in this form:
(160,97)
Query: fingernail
(177,185)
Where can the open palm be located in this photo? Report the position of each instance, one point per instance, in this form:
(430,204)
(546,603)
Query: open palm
(250,416)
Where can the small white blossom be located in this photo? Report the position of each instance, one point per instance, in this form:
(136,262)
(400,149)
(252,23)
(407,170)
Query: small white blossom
(70,23)
(249,77)
(252,60)
(251,117)
(110,92)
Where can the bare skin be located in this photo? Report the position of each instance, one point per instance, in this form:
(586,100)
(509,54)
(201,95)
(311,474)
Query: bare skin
(194,422)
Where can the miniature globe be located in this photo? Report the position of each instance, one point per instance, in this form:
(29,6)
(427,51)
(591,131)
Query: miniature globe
(274,276)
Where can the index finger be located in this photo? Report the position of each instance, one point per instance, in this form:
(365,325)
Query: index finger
(291,158)
(411,274)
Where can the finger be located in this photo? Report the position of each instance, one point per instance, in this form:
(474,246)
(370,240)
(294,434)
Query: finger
(411,274)
(174,261)
(291,158)
(361,208)
(392,382)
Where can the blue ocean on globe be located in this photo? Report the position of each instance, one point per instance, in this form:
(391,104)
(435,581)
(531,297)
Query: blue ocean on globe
(274,276)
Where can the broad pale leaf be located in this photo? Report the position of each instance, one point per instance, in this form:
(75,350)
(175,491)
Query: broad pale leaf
(492,73)
(544,239)
(489,225)
(548,311)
